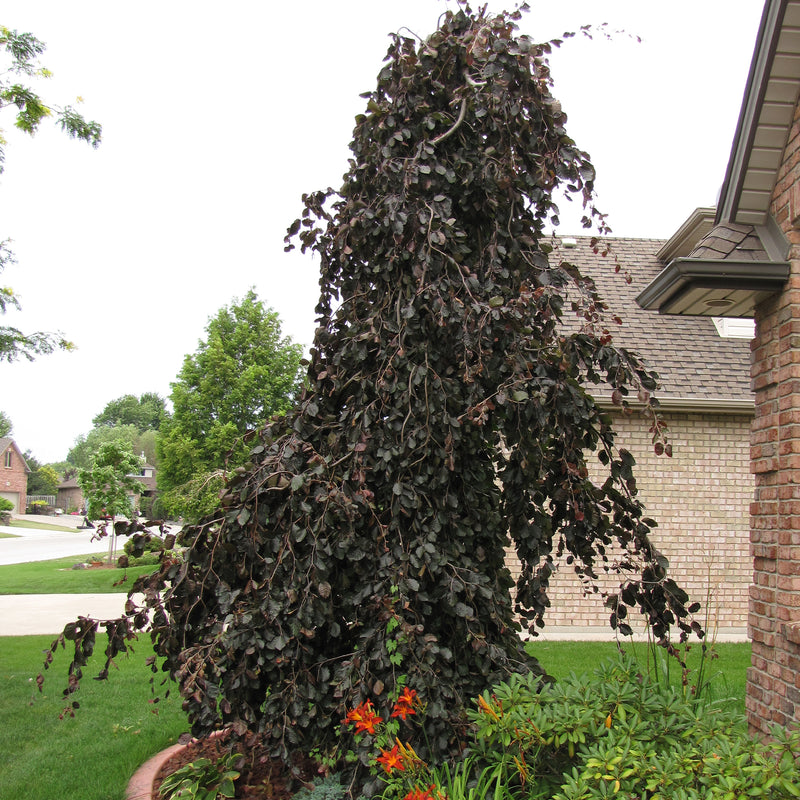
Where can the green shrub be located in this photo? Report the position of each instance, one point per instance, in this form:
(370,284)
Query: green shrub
(620,734)
(327,788)
(6,505)
(616,733)
(148,559)
(143,543)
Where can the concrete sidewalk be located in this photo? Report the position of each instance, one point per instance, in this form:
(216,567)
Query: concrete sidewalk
(28,614)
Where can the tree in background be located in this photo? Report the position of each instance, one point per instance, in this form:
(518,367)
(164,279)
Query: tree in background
(145,412)
(6,426)
(43,478)
(22,51)
(242,373)
(128,436)
(107,486)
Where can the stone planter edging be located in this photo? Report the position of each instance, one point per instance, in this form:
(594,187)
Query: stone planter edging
(140,786)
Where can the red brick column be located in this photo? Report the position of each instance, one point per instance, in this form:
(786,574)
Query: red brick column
(773,680)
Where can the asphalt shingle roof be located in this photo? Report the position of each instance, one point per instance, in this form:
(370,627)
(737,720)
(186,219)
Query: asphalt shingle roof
(692,360)
(729,240)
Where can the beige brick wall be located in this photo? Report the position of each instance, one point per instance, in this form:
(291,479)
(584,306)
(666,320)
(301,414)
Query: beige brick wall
(700,498)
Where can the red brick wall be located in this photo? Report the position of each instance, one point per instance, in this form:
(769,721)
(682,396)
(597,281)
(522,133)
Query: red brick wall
(700,498)
(14,478)
(773,688)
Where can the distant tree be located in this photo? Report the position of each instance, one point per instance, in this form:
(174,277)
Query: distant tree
(21,53)
(145,446)
(107,486)
(43,478)
(145,412)
(64,469)
(44,481)
(86,445)
(243,373)
(6,427)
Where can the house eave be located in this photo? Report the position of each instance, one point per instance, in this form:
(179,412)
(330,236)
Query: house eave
(685,239)
(713,288)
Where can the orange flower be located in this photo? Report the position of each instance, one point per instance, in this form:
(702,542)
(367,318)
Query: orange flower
(422,794)
(487,708)
(391,759)
(405,703)
(364,717)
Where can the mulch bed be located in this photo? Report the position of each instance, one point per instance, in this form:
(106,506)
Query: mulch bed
(262,777)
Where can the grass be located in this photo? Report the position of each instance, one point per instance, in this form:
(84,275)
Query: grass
(93,755)
(56,576)
(8,536)
(725,672)
(42,526)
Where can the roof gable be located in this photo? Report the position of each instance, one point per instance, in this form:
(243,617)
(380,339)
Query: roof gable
(5,443)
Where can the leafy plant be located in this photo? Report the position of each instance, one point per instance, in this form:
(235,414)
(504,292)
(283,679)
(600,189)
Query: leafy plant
(203,779)
(447,415)
(327,788)
(107,487)
(143,543)
(621,734)
(21,52)
(242,373)
(6,505)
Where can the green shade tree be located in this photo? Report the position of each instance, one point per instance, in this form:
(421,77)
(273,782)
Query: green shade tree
(241,374)
(43,478)
(145,412)
(6,426)
(107,487)
(20,52)
(128,436)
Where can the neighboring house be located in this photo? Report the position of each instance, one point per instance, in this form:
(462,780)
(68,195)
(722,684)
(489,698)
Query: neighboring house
(749,265)
(146,498)
(70,496)
(700,497)
(13,475)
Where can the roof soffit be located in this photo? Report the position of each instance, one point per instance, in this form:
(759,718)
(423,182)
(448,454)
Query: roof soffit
(766,116)
(742,260)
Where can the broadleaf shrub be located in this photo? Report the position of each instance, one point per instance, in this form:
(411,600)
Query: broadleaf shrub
(614,733)
(447,414)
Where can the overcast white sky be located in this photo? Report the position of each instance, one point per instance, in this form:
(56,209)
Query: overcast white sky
(217,117)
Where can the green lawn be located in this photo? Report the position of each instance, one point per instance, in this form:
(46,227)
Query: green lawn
(57,577)
(725,671)
(8,536)
(42,526)
(93,755)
